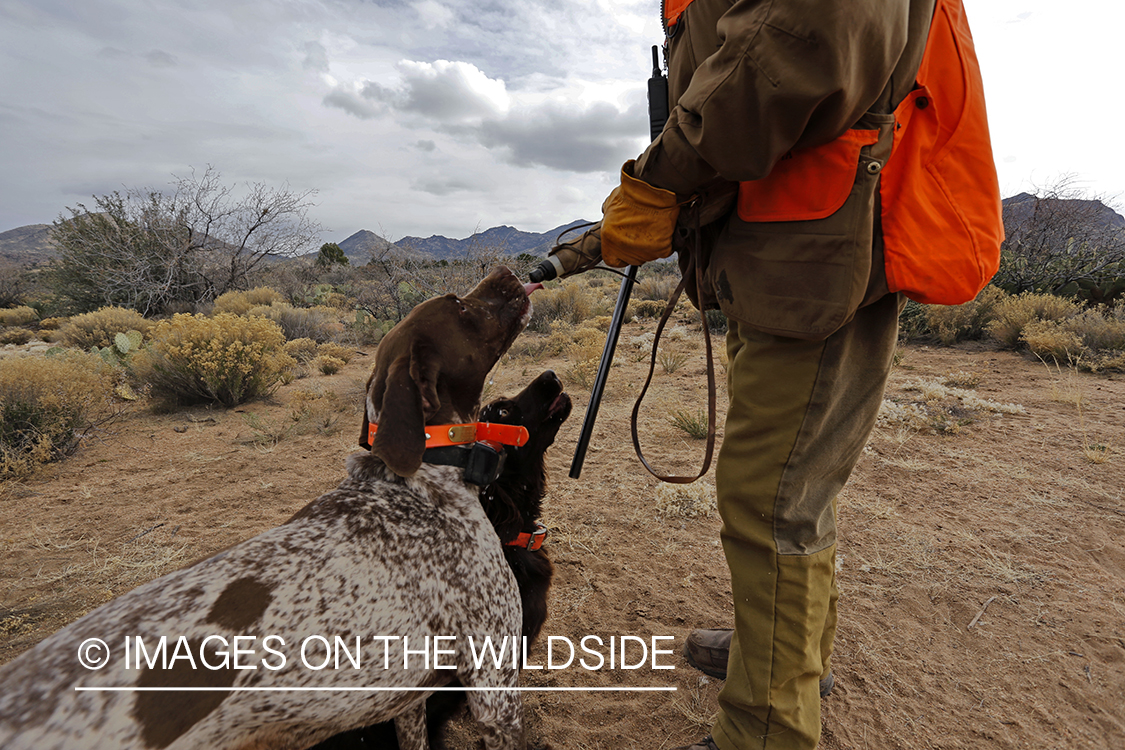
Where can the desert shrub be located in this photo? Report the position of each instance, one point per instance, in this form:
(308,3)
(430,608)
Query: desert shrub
(1090,335)
(240,303)
(1013,314)
(302,350)
(967,322)
(671,360)
(52,324)
(567,303)
(99,328)
(366,329)
(1049,339)
(46,403)
(226,359)
(717,321)
(317,323)
(18,316)
(342,353)
(15,336)
(328,365)
(657,288)
(647,308)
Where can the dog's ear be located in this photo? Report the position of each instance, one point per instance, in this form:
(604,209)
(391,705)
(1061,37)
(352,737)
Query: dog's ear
(405,398)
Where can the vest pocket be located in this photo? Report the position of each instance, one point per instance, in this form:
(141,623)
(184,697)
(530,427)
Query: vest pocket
(797,262)
(807,183)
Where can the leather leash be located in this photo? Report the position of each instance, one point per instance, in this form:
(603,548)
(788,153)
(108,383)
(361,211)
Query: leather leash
(711,391)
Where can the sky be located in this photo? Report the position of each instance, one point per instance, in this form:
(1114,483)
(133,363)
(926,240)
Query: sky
(445,116)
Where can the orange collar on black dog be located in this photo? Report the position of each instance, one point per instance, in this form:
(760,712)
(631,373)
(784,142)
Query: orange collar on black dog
(441,435)
(530,540)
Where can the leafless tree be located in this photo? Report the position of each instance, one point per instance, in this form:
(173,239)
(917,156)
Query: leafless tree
(1061,239)
(147,250)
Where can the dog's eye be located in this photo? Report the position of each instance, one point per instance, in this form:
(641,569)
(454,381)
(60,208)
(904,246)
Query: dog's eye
(502,413)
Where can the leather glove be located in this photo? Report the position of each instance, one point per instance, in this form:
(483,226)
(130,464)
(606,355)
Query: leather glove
(578,255)
(638,221)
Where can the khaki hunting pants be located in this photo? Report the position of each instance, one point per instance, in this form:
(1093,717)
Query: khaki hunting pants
(800,414)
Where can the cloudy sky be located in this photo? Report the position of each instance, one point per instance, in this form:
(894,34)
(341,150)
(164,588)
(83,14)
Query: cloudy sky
(443,116)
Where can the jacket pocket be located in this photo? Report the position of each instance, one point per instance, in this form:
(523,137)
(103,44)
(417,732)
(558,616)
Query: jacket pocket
(808,183)
(797,261)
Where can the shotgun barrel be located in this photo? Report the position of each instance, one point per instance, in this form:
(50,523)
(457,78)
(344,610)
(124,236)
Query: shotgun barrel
(657,116)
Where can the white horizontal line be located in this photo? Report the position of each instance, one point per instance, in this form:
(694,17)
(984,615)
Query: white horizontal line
(367,689)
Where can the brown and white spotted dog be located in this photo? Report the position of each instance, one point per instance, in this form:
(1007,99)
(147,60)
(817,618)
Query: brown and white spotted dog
(401,550)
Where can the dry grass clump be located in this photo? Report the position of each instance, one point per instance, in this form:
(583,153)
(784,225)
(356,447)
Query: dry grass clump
(100,328)
(16,336)
(240,303)
(18,316)
(227,359)
(686,500)
(693,423)
(567,303)
(46,403)
(314,409)
(1096,335)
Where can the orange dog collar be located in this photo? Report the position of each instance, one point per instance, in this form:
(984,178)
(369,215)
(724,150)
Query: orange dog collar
(530,540)
(441,435)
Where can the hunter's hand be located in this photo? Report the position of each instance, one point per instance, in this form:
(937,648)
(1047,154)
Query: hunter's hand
(638,221)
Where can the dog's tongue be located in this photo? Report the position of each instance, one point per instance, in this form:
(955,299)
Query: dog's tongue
(529,288)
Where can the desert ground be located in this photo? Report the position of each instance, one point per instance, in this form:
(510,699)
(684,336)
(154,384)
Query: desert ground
(981,556)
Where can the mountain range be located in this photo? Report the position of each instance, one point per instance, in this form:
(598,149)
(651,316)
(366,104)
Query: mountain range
(30,245)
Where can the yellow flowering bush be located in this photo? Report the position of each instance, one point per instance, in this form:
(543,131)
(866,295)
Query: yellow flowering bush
(46,403)
(226,359)
(99,328)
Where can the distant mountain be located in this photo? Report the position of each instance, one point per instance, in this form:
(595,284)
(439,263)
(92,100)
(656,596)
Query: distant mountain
(364,245)
(1018,208)
(509,240)
(27,245)
(32,244)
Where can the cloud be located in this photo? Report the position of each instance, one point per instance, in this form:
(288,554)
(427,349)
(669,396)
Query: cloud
(160,59)
(316,57)
(593,139)
(442,185)
(434,15)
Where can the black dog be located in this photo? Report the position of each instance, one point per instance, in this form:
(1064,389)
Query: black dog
(513,504)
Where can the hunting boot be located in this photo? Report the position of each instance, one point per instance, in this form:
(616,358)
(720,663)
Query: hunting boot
(709,650)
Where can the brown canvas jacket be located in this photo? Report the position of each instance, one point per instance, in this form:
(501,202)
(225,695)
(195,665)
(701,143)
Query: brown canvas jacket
(748,82)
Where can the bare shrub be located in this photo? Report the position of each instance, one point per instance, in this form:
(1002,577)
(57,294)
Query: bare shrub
(45,405)
(99,328)
(317,323)
(226,359)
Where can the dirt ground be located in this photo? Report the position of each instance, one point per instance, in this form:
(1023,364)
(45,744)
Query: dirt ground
(981,564)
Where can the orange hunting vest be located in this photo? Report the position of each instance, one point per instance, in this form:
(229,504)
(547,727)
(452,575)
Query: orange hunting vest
(940,197)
